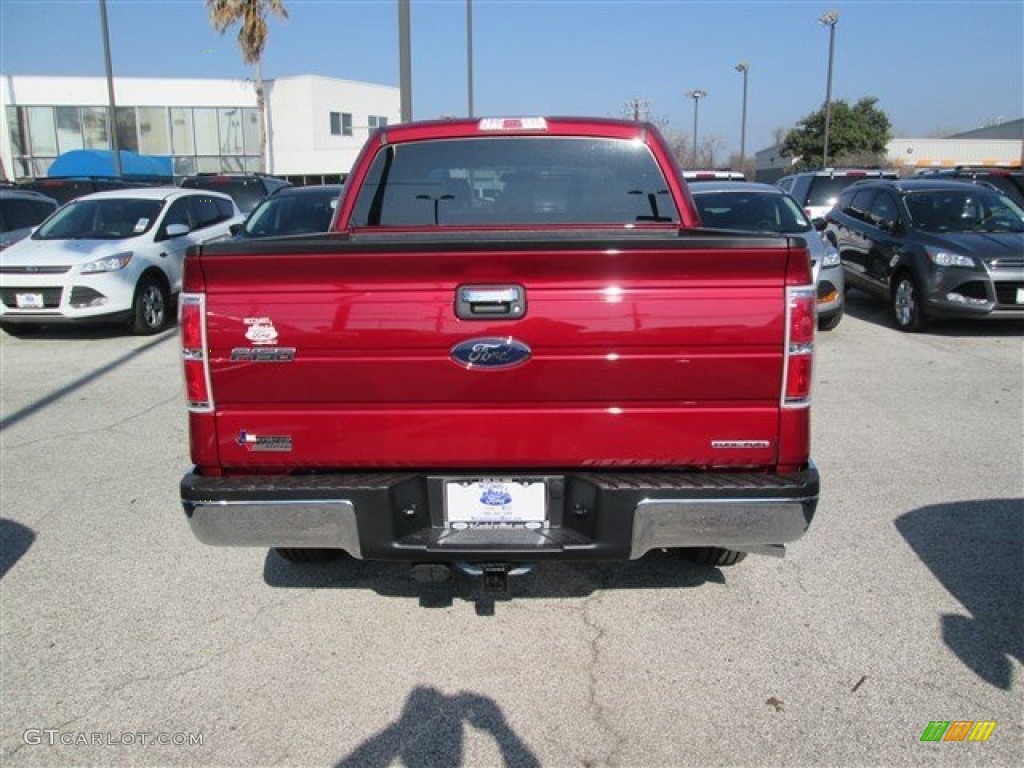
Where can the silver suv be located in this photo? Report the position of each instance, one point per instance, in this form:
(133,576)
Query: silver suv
(753,207)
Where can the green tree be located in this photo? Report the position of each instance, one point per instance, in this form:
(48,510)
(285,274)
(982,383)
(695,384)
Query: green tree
(251,16)
(857,135)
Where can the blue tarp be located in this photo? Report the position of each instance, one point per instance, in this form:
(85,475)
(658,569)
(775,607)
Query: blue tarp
(100,162)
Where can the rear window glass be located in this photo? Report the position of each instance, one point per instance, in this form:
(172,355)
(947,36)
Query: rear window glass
(825,190)
(1013,186)
(246,193)
(751,212)
(16,213)
(292,214)
(514,180)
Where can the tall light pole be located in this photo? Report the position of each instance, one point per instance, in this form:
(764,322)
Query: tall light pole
(696,95)
(829,20)
(111,107)
(744,68)
(469,56)
(404,61)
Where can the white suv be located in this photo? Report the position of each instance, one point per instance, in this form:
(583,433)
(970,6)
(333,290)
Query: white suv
(110,256)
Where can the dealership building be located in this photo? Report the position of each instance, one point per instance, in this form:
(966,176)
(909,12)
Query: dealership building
(315,125)
(1000,145)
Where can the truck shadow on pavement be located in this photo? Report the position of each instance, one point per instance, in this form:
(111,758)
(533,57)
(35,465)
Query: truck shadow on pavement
(667,570)
(15,540)
(868,308)
(975,549)
(430,733)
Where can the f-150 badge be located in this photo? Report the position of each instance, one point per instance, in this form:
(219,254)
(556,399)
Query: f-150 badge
(491,353)
(261,330)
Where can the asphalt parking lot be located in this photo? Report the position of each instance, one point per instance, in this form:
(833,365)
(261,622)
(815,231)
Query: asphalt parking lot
(903,605)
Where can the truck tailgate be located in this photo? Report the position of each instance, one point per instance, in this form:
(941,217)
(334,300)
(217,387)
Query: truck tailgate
(643,352)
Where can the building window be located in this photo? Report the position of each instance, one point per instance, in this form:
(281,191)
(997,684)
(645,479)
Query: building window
(153,133)
(69,129)
(207,142)
(251,130)
(341,123)
(16,130)
(208,165)
(182,141)
(231,141)
(127,135)
(94,126)
(42,131)
(377,121)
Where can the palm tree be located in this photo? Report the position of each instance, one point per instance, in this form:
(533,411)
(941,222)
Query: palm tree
(252,37)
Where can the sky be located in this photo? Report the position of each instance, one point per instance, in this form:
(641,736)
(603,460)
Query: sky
(936,67)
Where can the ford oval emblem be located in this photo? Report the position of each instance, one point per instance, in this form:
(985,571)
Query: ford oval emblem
(491,353)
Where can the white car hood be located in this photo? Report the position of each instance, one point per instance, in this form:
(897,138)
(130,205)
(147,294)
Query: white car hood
(60,253)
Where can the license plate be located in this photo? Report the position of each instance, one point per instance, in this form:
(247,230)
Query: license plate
(28,300)
(1020,295)
(491,501)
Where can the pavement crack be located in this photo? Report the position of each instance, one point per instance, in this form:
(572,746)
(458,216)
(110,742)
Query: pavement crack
(600,714)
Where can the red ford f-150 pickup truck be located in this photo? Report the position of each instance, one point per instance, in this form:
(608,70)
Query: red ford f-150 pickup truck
(515,345)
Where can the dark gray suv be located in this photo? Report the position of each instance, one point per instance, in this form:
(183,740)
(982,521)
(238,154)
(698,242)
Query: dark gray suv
(932,248)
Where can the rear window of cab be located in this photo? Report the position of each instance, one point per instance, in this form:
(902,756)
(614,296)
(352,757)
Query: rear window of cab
(515,181)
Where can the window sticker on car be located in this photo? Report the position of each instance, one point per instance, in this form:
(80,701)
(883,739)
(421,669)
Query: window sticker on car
(140,226)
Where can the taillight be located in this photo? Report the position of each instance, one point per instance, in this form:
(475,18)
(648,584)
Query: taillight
(801,321)
(194,352)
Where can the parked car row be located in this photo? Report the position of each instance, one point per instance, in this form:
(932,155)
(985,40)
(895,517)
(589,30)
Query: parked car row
(111,257)
(117,255)
(945,245)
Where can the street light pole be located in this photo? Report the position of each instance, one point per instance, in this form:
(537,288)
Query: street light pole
(696,95)
(469,55)
(829,20)
(743,67)
(404,61)
(111,107)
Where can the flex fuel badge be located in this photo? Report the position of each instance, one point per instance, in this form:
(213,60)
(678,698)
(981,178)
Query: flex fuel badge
(251,442)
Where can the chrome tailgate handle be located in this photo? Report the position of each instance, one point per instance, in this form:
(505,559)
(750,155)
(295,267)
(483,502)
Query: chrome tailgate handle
(487,302)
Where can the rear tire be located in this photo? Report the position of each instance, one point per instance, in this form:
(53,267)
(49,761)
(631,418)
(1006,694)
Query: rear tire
(150,307)
(308,555)
(714,556)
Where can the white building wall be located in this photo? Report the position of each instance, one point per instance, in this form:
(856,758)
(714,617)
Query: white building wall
(300,109)
(912,154)
(30,90)
(300,140)
(949,153)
